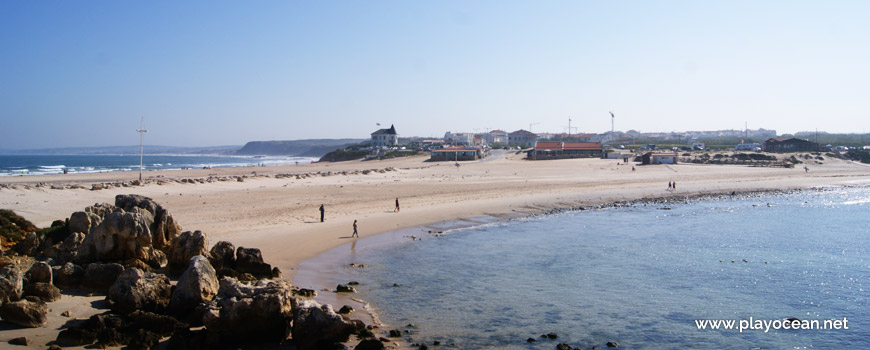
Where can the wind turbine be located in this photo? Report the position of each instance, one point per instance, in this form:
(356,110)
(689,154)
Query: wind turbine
(141,132)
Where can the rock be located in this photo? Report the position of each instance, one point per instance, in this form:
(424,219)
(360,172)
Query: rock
(370,344)
(76,337)
(318,324)
(250,260)
(185,339)
(162,325)
(563,346)
(223,255)
(197,285)
(343,288)
(11,284)
(163,227)
(38,272)
(121,236)
(531,340)
(28,245)
(82,222)
(69,275)
(66,250)
(251,313)
(137,290)
(552,335)
(139,264)
(54,347)
(101,276)
(185,246)
(44,291)
(65,313)
(19,341)
(25,313)
(612,344)
(395,333)
(345,310)
(307,293)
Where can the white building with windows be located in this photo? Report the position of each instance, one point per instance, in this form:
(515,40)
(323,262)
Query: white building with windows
(385,137)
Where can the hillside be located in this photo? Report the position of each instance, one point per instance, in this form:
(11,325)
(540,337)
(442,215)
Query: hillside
(302,148)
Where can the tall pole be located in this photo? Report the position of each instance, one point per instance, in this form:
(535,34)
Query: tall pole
(569,126)
(141,132)
(612,129)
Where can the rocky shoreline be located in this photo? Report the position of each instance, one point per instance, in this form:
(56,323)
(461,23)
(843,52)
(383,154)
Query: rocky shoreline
(163,287)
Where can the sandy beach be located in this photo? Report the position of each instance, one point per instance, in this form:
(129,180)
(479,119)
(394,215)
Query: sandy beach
(279,213)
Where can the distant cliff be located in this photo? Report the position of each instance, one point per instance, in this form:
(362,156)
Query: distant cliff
(300,148)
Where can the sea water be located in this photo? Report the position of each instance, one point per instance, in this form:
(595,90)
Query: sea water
(13,165)
(640,276)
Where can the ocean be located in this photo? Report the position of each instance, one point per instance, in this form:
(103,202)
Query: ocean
(14,165)
(640,276)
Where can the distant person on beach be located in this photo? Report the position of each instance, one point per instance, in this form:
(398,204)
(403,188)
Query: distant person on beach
(806,170)
(670,186)
(674,185)
(397,205)
(355,233)
(321,212)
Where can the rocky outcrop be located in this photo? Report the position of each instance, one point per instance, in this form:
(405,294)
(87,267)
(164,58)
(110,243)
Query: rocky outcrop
(251,313)
(101,276)
(66,250)
(163,227)
(30,312)
(83,221)
(185,246)
(121,236)
(11,284)
(28,245)
(46,292)
(38,272)
(370,344)
(316,325)
(223,255)
(138,330)
(68,276)
(250,260)
(196,286)
(137,290)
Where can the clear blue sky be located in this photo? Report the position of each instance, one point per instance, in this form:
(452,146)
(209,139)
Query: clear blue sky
(81,73)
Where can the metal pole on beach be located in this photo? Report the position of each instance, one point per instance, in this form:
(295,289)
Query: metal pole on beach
(141,132)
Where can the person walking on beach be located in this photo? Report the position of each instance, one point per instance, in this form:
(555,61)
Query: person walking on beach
(355,233)
(397,205)
(321,212)
(669,186)
(674,186)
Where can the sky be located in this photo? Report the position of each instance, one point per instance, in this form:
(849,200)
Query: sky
(207,73)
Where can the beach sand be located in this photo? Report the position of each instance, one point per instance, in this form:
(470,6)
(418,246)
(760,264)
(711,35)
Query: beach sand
(280,215)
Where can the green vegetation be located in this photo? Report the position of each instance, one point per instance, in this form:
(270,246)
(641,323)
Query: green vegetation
(862,156)
(14,227)
(397,154)
(341,155)
(752,156)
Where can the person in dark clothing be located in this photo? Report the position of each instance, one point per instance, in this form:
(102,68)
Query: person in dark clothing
(355,233)
(321,212)
(397,205)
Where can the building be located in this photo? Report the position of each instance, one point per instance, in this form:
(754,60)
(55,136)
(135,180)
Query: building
(748,147)
(522,138)
(659,158)
(457,153)
(496,136)
(459,138)
(560,150)
(790,144)
(385,137)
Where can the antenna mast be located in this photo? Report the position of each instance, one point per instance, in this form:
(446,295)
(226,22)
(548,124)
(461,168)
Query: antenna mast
(141,132)
(612,129)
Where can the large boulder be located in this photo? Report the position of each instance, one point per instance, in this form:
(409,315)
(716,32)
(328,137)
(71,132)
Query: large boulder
(122,236)
(137,290)
(46,292)
(223,255)
(11,284)
(251,313)
(185,246)
(25,313)
(101,276)
(315,325)
(83,221)
(163,227)
(40,271)
(66,250)
(196,286)
(28,245)
(250,260)
(68,276)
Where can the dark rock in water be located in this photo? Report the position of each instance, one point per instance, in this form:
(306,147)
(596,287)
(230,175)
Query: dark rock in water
(395,333)
(612,344)
(11,284)
(39,272)
(45,291)
(343,288)
(423,347)
(345,310)
(137,290)
(25,313)
(223,255)
(531,340)
(251,313)
(563,346)
(19,341)
(314,323)
(307,293)
(552,335)
(370,344)
(197,285)
(250,260)
(365,333)
(69,275)
(101,276)
(185,246)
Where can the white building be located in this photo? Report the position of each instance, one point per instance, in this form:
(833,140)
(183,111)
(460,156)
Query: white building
(385,137)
